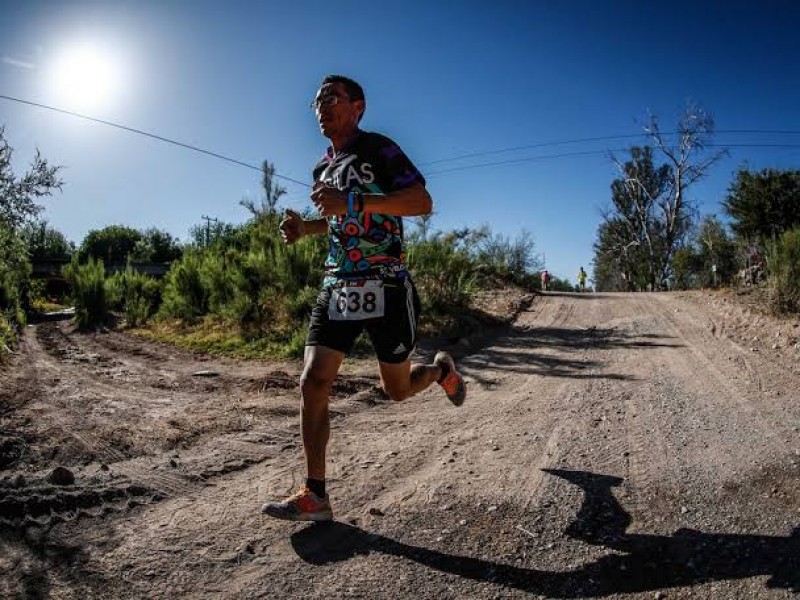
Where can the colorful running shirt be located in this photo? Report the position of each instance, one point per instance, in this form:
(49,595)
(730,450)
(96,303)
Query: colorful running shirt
(366,245)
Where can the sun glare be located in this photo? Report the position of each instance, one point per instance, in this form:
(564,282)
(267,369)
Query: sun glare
(85,77)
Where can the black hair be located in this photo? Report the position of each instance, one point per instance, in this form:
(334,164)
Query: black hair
(352,87)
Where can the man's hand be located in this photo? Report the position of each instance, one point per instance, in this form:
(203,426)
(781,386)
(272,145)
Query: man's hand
(328,200)
(293,227)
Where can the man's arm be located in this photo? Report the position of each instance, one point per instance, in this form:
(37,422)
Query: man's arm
(316,227)
(293,227)
(412,201)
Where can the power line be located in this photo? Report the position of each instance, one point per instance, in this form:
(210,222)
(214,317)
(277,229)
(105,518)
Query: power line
(600,139)
(589,153)
(443,160)
(148,134)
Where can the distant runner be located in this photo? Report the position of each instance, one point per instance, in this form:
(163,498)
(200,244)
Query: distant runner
(364,185)
(582,280)
(545,277)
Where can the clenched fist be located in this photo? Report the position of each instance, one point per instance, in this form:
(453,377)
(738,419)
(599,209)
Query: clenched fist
(293,227)
(328,200)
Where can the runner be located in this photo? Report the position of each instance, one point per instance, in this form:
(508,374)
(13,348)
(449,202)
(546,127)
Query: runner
(582,280)
(545,277)
(364,185)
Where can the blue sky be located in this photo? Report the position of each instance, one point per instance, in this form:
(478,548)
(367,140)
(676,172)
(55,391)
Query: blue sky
(443,78)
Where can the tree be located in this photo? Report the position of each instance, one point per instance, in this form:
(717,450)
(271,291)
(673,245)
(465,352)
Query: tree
(112,244)
(18,195)
(635,196)
(272,193)
(423,223)
(765,204)
(618,261)
(515,259)
(684,268)
(156,246)
(651,215)
(687,157)
(715,254)
(210,233)
(45,242)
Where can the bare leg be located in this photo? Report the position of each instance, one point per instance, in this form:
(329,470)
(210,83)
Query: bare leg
(321,367)
(401,381)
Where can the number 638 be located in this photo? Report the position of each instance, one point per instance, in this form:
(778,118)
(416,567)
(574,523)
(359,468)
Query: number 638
(354,302)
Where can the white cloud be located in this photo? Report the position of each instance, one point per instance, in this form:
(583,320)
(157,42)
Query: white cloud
(18,63)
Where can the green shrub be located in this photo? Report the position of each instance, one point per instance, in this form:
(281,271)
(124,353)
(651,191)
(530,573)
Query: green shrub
(185,296)
(260,292)
(513,261)
(299,305)
(445,276)
(15,270)
(9,289)
(136,294)
(115,291)
(8,335)
(145,292)
(88,292)
(296,346)
(256,282)
(783,264)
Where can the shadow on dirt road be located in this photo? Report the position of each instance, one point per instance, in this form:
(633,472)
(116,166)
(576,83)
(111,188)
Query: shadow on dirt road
(649,562)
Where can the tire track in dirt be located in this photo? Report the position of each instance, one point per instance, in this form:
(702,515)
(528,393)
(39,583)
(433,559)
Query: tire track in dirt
(726,380)
(435,501)
(613,403)
(652,468)
(675,416)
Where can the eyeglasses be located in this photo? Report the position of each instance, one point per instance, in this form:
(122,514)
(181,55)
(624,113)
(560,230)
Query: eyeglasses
(327,100)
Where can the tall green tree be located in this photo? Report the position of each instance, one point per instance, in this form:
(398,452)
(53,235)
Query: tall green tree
(212,233)
(45,242)
(19,194)
(112,244)
(640,231)
(156,246)
(651,215)
(619,263)
(715,252)
(18,205)
(685,268)
(764,204)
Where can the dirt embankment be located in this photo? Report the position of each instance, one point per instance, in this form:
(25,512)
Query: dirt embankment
(619,445)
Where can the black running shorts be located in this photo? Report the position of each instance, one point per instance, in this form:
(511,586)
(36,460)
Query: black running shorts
(393,335)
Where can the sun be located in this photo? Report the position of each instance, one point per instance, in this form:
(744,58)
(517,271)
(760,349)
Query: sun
(85,77)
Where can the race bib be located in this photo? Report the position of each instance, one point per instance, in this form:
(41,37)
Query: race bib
(354,301)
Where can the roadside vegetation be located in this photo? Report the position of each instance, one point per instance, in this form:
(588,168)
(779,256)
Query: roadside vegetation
(238,290)
(18,207)
(651,237)
(247,294)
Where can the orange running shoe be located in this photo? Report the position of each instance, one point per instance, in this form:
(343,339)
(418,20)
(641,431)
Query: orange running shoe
(303,505)
(453,385)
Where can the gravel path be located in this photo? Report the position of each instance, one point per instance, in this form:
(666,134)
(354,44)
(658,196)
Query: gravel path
(612,445)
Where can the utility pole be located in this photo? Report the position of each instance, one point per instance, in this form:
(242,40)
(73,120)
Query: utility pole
(208,228)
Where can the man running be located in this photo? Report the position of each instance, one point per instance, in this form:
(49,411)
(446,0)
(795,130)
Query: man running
(582,280)
(364,185)
(545,277)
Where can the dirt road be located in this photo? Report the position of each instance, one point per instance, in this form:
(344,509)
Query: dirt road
(622,446)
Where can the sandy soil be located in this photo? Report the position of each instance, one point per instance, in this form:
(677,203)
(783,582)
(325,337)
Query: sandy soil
(619,445)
